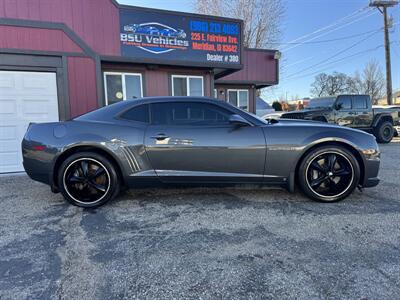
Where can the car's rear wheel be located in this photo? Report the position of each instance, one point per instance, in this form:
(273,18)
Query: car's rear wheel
(329,173)
(88,179)
(384,132)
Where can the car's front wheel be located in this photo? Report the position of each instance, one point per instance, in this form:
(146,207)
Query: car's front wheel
(329,173)
(88,179)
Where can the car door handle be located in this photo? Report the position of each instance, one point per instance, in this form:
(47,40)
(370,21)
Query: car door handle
(160,137)
(352,113)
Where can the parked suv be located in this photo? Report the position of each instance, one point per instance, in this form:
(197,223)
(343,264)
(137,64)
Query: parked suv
(353,111)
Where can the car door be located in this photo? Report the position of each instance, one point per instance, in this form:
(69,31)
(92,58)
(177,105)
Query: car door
(194,141)
(344,115)
(362,108)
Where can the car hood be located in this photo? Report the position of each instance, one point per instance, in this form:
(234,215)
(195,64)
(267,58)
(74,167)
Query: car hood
(314,124)
(300,122)
(306,112)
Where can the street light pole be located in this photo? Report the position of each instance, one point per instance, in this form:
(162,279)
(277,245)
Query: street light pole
(382,6)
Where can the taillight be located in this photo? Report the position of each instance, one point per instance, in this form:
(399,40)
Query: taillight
(38,147)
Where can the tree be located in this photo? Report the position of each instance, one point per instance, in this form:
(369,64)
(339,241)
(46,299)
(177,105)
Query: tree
(374,81)
(355,84)
(329,85)
(277,106)
(371,82)
(261,18)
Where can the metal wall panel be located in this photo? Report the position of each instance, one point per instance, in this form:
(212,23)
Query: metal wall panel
(94,21)
(40,39)
(82,85)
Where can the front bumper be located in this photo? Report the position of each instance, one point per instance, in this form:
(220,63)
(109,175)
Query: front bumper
(371,182)
(371,170)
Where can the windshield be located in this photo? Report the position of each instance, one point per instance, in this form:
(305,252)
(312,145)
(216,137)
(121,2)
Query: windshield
(321,102)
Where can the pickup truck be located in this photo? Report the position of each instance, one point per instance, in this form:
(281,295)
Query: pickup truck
(353,111)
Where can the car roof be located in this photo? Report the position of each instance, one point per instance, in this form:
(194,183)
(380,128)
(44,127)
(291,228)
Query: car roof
(148,100)
(108,112)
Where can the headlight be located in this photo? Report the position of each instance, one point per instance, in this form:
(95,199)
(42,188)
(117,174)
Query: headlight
(371,153)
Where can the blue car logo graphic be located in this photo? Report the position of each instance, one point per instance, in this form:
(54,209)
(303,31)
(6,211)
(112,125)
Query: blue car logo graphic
(140,29)
(154,29)
(179,33)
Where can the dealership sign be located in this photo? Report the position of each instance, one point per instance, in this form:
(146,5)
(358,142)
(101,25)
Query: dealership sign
(168,37)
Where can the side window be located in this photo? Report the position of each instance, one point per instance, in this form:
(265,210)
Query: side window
(189,113)
(360,102)
(344,102)
(138,113)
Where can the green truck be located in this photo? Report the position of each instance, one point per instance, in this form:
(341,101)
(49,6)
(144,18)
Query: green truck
(354,111)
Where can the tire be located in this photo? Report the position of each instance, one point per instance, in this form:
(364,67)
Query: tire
(384,132)
(317,170)
(88,179)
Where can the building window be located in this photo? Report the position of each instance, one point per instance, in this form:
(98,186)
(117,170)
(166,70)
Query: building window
(239,98)
(122,86)
(187,85)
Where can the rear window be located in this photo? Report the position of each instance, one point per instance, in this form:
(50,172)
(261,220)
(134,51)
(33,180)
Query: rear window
(189,113)
(360,102)
(138,113)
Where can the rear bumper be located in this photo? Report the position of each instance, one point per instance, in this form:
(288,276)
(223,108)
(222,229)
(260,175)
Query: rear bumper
(35,171)
(397,130)
(37,164)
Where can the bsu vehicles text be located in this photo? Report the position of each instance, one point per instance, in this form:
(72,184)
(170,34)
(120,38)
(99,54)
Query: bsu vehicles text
(180,141)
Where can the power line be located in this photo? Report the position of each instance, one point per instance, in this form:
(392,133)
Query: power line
(334,55)
(330,40)
(333,29)
(285,66)
(341,59)
(331,25)
(325,67)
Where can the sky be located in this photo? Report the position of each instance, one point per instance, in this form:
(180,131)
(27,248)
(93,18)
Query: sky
(301,63)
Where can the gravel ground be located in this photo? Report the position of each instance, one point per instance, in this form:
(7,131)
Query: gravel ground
(202,243)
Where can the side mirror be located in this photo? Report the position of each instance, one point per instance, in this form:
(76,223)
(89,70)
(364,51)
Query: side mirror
(239,120)
(337,106)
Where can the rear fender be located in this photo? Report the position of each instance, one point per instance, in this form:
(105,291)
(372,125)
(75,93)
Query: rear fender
(382,116)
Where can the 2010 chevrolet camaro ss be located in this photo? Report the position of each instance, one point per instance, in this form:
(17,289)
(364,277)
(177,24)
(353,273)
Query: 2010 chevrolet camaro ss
(195,141)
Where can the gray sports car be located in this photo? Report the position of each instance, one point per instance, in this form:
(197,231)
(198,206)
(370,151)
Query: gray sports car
(195,141)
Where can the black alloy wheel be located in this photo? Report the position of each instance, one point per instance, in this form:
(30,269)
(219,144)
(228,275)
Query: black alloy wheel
(384,132)
(329,174)
(88,180)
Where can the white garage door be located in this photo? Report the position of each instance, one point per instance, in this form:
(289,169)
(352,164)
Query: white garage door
(24,97)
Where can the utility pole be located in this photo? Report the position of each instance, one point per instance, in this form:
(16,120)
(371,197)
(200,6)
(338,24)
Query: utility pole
(382,5)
